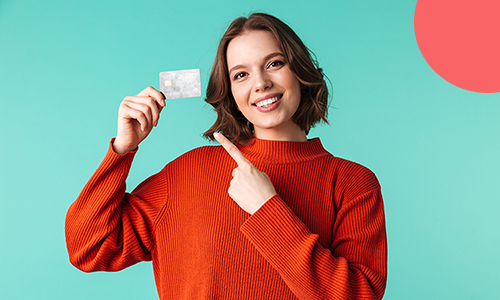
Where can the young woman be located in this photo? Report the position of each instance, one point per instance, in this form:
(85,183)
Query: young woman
(269,215)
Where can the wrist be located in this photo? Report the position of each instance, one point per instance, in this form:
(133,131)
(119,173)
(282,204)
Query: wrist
(121,149)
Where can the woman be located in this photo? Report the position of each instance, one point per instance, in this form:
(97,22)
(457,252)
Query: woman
(269,215)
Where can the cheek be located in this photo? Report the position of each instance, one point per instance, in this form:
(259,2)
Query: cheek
(290,81)
(234,92)
(296,85)
(295,88)
(239,95)
(237,100)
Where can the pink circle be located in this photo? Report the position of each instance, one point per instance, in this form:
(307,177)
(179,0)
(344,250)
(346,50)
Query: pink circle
(460,40)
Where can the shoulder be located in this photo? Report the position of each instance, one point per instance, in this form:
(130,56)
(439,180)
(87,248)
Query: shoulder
(203,152)
(351,178)
(199,156)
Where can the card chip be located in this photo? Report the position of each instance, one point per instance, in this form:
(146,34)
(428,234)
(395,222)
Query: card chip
(168,83)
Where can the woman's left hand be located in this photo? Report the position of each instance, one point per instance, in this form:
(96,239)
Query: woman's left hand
(250,188)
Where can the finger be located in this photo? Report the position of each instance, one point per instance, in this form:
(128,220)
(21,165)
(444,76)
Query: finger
(132,113)
(155,109)
(155,94)
(152,105)
(147,107)
(233,151)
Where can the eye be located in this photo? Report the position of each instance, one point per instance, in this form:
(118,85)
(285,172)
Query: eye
(276,63)
(239,75)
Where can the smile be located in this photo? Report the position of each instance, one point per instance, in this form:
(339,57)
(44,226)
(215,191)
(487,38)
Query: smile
(268,102)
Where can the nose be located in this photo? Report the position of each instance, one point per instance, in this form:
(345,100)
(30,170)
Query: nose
(262,82)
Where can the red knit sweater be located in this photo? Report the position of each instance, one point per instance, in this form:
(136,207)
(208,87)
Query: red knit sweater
(321,237)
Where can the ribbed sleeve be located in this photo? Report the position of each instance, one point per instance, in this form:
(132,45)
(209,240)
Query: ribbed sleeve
(354,271)
(108,229)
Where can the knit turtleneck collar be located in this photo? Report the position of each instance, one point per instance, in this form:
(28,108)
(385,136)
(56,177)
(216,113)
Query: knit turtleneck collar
(278,152)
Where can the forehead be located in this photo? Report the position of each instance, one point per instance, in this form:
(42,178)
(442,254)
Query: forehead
(251,46)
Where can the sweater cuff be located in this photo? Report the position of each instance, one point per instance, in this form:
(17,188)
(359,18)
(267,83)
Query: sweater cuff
(274,227)
(110,149)
(115,156)
(113,159)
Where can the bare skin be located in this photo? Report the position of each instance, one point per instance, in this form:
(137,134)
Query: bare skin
(259,71)
(137,116)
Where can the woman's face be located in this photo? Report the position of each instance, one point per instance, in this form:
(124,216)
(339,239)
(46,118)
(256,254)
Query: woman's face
(265,89)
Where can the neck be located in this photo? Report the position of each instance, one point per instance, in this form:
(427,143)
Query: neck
(289,133)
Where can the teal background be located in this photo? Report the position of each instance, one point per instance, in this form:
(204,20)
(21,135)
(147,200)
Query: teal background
(66,65)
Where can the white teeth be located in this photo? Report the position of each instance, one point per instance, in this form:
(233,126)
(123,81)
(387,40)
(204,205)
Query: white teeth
(267,102)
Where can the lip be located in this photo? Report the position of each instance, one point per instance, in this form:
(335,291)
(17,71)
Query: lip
(270,107)
(266,97)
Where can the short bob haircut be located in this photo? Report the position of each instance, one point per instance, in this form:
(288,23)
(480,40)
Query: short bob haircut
(313,105)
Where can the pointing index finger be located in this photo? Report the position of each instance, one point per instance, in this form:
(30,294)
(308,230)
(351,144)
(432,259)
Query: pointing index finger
(235,153)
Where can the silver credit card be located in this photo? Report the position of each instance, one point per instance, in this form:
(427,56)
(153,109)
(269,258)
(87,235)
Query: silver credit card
(180,84)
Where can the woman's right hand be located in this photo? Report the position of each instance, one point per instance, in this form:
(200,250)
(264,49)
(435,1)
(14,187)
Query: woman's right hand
(136,118)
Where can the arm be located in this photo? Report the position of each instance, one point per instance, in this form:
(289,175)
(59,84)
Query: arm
(355,267)
(108,229)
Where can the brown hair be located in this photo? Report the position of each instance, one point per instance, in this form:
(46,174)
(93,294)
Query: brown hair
(313,105)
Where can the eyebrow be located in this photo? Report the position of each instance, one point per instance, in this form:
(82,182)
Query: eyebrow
(267,57)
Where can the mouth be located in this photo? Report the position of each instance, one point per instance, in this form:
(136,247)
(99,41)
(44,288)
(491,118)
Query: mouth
(268,102)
